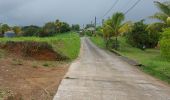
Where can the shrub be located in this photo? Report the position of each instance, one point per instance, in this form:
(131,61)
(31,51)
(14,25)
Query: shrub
(30,30)
(165,43)
(138,37)
(141,37)
(88,33)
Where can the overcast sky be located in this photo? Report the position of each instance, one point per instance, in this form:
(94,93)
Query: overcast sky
(27,12)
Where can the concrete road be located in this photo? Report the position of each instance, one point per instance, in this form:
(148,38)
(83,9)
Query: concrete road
(101,75)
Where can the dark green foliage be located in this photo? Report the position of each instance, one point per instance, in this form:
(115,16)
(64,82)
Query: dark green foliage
(165,43)
(48,29)
(89,25)
(4,28)
(141,38)
(65,27)
(153,39)
(89,33)
(31,30)
(75,27)
(99,31)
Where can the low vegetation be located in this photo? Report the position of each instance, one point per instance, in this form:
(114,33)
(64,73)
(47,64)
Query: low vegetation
(152,60)
(165,43)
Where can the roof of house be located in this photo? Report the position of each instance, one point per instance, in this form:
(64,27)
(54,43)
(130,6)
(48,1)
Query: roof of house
(91,29)
(9,34)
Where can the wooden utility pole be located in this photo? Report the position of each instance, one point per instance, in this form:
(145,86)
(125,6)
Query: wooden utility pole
(95,22)
(95,25)
(102,22)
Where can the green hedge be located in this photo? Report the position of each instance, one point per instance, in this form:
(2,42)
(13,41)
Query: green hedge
(165,43)
(165,48)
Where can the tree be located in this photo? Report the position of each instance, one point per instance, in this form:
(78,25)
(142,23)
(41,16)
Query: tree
(65,27)
(89,25)
(50,28)
(31,30)
(17,30)
(75,27)
(58,25)
(117,25)
(163,16)
(138,37)
(108,33)
(4,28)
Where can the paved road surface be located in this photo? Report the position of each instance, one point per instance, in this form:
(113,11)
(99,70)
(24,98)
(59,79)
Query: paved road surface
(100,75)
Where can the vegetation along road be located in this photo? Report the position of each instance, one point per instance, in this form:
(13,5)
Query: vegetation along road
(101,75)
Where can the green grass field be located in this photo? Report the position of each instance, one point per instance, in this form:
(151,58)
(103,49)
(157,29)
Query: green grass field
(153,62)
(65,43)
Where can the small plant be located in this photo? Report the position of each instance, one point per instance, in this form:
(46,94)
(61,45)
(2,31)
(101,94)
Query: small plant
(35,66)
(46,65)
(2,53)
(17,62)
(1,94)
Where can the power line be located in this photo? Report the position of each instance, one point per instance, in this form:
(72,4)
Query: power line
(126,4)
(110,8)
(115,5)
(132,7)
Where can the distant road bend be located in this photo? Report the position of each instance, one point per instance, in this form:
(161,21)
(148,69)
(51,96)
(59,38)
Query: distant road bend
(101,75)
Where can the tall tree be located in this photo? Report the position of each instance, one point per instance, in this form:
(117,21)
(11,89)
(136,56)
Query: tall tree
(108,33)
(117,25)
(58,26)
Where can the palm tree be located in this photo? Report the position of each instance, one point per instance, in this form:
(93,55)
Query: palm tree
(107,30)
(163,16)
(58,25)
(117,25)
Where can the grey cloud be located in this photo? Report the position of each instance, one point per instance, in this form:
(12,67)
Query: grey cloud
(25,12)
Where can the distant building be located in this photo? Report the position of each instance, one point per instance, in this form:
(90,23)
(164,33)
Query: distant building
(9,34)
(90,29)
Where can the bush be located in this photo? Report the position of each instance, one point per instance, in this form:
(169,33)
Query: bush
(165,48)
(141,37)
(165,43)
(138,37)
(30,30)
(65,27)
(88,33)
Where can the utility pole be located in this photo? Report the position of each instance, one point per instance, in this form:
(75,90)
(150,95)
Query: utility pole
(95,24)
(102,22)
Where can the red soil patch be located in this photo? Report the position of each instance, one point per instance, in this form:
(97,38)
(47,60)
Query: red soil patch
(35,50)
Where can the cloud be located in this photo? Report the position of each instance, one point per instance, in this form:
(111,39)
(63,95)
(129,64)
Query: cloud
(9,5)
(26,12)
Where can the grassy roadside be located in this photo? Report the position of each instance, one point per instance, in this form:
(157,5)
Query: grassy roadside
(98,41)
(66,43)
(153,63)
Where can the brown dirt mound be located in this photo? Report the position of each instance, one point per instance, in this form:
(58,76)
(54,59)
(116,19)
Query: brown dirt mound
(35,50)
